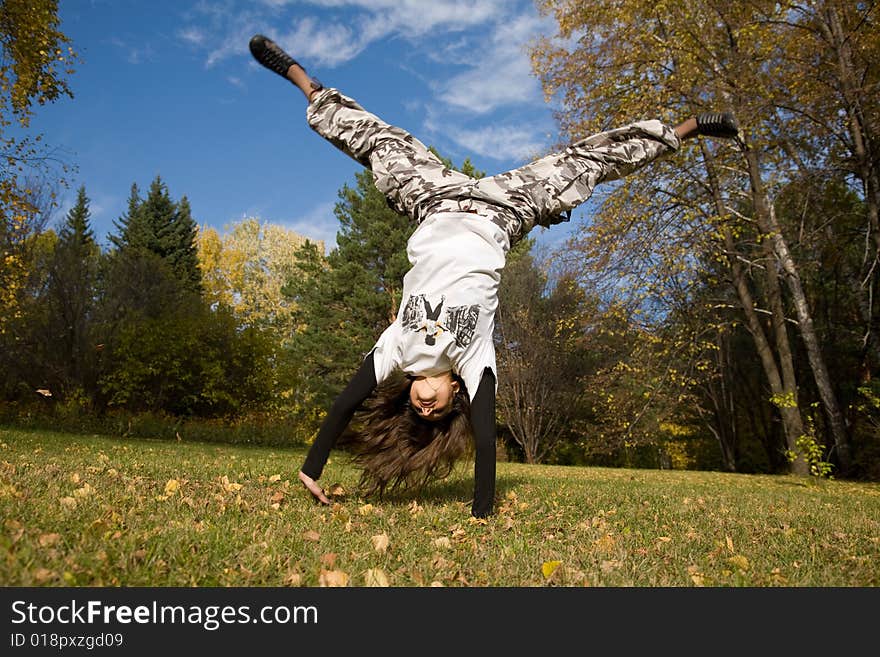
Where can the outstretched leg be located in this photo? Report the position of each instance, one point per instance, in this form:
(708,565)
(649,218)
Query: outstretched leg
(403,168)
(544,191)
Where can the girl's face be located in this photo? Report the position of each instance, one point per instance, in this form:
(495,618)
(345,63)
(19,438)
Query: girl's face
(431,396)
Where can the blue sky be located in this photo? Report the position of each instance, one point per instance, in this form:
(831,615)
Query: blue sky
(168,88)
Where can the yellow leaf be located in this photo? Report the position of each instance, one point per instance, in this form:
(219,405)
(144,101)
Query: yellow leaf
(171,487)
(549,567)
(336,490)
(366,509)
(333,578)
(375,577)
(380,542)
(443,542)
(739,561)
(84,491)
(274,478)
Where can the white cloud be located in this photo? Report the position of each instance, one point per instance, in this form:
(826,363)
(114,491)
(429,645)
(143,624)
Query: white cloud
(341,29)
(498,142)
(192,35)
(503,72)
(318,224)
(133,54)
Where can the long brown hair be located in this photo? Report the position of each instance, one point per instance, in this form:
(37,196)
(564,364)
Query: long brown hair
(399,449)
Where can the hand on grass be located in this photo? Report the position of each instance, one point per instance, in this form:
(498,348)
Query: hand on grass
(312,486)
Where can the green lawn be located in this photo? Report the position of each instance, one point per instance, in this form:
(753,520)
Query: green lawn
(99,511)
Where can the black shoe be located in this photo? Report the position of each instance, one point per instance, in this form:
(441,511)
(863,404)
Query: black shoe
(718,124)
(270,55)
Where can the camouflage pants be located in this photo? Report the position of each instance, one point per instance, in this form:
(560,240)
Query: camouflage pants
(418,184)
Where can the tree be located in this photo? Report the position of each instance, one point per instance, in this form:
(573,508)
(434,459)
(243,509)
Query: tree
(642,62)
(345,300)
(36,59)
(540,350)
(159,226)
(70,297)
(246,270)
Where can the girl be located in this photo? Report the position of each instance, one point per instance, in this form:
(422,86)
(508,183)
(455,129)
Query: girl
(428,385)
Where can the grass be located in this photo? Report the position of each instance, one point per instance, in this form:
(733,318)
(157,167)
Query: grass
(98,511)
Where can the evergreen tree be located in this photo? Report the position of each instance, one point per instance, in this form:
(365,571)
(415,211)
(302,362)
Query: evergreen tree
(70,296)
(159,226)
(183,247)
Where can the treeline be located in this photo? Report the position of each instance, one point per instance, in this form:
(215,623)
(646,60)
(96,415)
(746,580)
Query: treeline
(130,328)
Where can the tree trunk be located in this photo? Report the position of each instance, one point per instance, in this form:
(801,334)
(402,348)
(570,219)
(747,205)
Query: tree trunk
(784,397)
(766,218)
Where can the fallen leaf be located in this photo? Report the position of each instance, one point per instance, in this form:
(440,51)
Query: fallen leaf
(68,503)
(171,487)
(604,543)
(375,577)
(47,540)
(443,542)
(549,567)
(333,578)
(274,478)
(84,491)
(230,486)
(329,559)
(311,535)
(739,561)
(292,579)
(380,542)
(729,543)
(366,509)
(43,575)
(277,498)
(335,490)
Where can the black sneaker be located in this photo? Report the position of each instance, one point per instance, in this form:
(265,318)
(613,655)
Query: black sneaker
(718,124)
(270,55)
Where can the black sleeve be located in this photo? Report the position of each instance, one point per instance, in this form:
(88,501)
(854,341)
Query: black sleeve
(340,414)
(483,423)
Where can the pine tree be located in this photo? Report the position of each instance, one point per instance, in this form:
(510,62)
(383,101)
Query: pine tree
(183,247)
(157,225)
(76,229)
(71,297)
